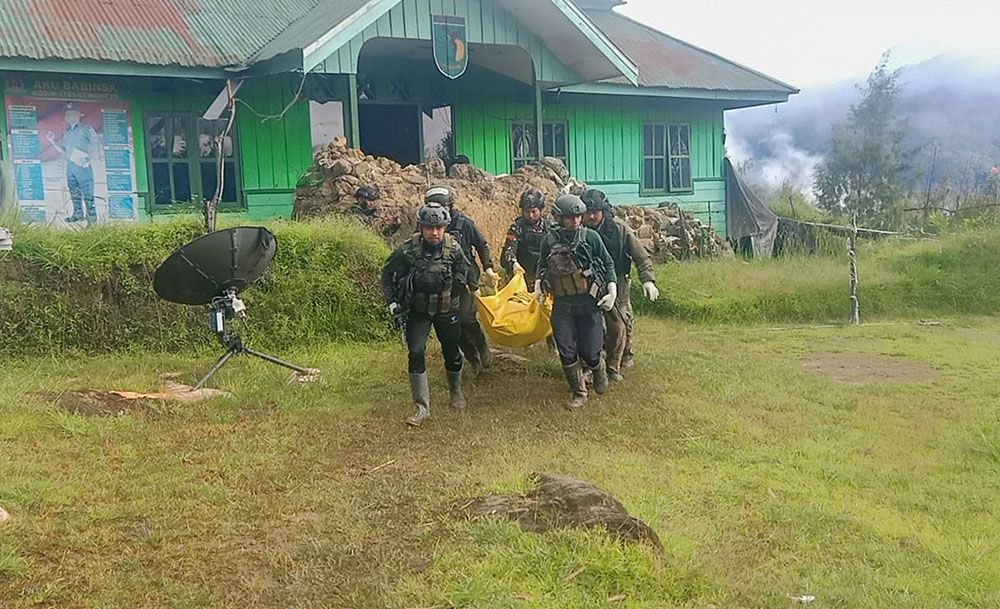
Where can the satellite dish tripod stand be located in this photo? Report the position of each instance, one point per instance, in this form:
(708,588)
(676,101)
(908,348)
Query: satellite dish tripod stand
(222,309)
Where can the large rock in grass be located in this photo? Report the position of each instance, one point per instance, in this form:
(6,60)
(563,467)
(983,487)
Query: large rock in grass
(561,501)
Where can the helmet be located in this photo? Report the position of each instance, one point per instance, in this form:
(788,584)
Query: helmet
(595,200)
(433,214)
(440,194)
(533,198)
(568,206)
(368,192)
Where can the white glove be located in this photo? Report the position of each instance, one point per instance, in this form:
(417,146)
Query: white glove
(539,294)
(518,268)
(393,306)
(492,275)
(650,290)
(608,302)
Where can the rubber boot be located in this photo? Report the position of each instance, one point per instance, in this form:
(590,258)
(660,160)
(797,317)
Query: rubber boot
(421,398)
(482,347)
(574,375)
(600,377)
(614,375)
(455,388)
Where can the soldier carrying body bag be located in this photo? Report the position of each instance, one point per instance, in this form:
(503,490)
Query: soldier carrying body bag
(577,270)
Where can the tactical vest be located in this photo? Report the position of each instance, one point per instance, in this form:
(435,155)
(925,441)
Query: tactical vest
(564,275)
(529,244)
(431,276)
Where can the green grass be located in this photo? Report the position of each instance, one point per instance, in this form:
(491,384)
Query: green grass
(763,480)
(898,279)
(91,291)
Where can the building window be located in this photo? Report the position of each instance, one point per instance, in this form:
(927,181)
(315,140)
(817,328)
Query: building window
(666,157)
(555,141)
(680,156)
(654,157)
(438,133)
(326,123)
(183,152)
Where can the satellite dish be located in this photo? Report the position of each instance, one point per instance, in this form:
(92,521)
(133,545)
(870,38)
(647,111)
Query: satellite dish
(213,264)
(212,270)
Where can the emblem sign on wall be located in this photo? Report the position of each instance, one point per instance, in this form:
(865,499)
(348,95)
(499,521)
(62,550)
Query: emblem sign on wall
(72,151)
(451,50)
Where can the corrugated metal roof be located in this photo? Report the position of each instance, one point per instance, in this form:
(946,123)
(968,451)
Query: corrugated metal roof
(665,61)
(309,27)
(192,33)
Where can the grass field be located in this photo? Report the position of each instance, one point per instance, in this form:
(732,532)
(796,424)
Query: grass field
(764,479)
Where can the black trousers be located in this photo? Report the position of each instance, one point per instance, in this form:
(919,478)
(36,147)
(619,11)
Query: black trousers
(418,330)
(473,340)
(579,332)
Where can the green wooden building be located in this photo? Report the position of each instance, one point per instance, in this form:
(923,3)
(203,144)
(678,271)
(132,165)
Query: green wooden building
(628,108)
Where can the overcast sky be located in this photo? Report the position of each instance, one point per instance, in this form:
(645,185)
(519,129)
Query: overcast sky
(808,42)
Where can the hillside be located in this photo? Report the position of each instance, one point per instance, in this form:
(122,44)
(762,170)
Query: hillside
(949,101)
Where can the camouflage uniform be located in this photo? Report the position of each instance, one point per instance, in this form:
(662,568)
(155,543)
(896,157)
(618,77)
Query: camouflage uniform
(524,242)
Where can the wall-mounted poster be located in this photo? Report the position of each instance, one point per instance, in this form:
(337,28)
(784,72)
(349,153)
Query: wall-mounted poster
(71,147)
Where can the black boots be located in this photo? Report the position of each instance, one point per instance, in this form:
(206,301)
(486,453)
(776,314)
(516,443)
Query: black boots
(574,376)
(421,398)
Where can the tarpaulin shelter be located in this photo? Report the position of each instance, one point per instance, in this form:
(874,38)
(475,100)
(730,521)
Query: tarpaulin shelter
(746,215)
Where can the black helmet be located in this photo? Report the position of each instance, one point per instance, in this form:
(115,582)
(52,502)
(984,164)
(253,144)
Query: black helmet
(569,206)
(440,193)
(595,200)
(532,198)
(368,192)
(433,214)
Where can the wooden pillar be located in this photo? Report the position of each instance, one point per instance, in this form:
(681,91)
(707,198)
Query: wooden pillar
(352,126)
(538,119)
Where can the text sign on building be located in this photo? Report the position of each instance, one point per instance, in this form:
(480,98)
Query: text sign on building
(451,52)
(71,148)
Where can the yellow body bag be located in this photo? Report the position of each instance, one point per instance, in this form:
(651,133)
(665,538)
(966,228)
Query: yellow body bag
(512,318)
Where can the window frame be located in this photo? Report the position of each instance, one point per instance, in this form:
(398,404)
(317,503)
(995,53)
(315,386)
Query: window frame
(671,157)
(516,161)
(193,161)
(664,159)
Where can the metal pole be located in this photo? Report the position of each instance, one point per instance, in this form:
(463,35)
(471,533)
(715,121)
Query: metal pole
(218,364)
(852,252)
(280,362)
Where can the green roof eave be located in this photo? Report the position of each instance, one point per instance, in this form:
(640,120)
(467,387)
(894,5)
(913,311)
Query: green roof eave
(109,68)
(318,50)
(749,97)
(599,39)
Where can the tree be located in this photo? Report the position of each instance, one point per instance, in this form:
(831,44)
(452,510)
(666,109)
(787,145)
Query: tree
(863,172)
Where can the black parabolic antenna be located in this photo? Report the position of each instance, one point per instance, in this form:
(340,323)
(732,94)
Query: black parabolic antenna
(209,266)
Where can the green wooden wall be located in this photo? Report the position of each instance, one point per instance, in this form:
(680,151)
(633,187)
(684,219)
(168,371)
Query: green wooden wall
(273,153)
(486,21)
(605,142)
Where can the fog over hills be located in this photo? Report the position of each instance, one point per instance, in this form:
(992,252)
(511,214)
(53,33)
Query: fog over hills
(951,103)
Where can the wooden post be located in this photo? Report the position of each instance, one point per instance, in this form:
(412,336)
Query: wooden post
(212,205)
(852,253)
(353,128)
(538,120)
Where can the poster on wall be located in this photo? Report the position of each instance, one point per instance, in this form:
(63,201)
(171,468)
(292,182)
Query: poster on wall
(71,147)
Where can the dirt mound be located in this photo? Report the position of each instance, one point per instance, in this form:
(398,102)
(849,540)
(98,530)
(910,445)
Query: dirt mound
(492,201)
(95,402)
(561,501)
(861,368)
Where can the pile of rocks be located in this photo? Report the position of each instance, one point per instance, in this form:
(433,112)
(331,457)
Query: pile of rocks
(338,172)
(669,233)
